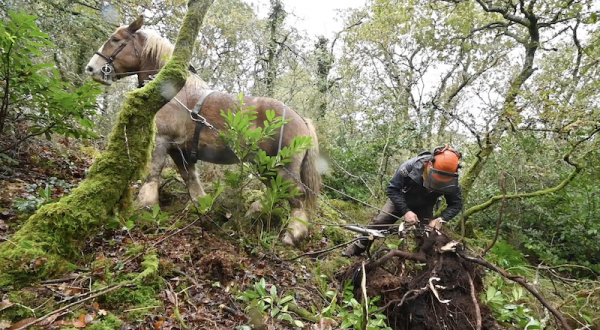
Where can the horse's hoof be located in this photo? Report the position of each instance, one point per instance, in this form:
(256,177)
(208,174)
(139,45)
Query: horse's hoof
(254,208)
(288,240)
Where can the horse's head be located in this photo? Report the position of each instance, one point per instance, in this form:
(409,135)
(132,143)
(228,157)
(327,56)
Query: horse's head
(119,56)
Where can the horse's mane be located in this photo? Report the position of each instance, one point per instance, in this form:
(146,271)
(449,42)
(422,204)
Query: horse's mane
(158,50)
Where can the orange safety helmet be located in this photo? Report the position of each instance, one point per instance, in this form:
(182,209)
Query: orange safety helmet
(442,175)
(445,159)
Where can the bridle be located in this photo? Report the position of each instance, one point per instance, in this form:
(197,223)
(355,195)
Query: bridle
(108,67)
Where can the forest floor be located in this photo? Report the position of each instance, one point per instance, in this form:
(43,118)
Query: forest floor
(204,270)
(210,276)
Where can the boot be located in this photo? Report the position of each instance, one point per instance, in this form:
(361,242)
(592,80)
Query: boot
(355,249)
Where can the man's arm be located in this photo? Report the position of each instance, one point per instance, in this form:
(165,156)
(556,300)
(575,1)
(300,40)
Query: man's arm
(455,204)
(394,188)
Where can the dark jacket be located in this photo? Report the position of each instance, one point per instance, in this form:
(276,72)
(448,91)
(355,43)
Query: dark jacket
(407,193)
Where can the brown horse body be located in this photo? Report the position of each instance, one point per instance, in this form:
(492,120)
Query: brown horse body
(132,51)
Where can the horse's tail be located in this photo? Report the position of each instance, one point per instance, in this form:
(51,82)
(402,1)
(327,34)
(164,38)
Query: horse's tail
(309,173)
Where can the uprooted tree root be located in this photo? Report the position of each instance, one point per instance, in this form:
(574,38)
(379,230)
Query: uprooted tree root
(444,295)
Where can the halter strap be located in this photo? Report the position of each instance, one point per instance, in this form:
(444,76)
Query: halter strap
(108,67)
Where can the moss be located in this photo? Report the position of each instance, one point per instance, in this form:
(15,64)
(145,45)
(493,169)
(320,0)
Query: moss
(166,267)
(150,266)
(355,211)
(138,297)
(331,266)
(20,299)
(89,151)
(134,249)
(337,235)
(57,232)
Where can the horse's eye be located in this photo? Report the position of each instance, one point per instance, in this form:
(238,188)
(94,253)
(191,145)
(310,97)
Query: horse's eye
(114,39)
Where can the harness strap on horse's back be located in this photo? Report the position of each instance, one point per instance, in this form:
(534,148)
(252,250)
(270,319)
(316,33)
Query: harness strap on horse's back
(193,158)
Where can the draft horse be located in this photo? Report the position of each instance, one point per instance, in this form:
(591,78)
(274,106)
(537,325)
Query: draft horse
(131,50)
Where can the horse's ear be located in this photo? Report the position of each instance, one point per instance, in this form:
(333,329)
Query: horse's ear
(133,27)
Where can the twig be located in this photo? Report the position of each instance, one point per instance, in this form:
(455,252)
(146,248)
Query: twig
(176,311)
(59,280)
(139,309)
(363,285)
(475,304)
(417,293)
(110,289)
(175,233)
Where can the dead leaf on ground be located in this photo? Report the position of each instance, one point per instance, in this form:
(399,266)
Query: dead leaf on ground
(71,291)
(63,323)
(22,323)
(171,296)
(48,320)
(4,304)
(79,323)
(3,226)
(325,323)
(159,324)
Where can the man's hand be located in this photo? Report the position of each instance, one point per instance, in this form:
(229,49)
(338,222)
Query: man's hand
(436,223)
(410,217)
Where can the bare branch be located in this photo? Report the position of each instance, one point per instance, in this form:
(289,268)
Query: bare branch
(504,13)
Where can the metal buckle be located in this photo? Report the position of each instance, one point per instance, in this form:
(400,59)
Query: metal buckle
(106,70)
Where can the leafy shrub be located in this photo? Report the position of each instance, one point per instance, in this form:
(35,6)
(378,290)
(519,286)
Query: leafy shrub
(34,100)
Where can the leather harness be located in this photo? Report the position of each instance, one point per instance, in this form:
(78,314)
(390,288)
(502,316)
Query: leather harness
(196,115)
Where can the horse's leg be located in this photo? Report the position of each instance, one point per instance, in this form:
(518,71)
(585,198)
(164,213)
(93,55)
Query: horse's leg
(189,174)
(148,194)
(297,229)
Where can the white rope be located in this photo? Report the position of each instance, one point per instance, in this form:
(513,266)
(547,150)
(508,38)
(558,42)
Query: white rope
(282,126)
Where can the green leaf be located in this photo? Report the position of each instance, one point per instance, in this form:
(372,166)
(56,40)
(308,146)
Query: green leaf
(274,311)
(285,317)
(286,299)
(155,210)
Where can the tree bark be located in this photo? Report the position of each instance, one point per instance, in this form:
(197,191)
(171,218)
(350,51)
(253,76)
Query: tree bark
(55,234)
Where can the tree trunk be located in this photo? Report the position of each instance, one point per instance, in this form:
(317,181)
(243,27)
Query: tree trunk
(58,231)
(275,22)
